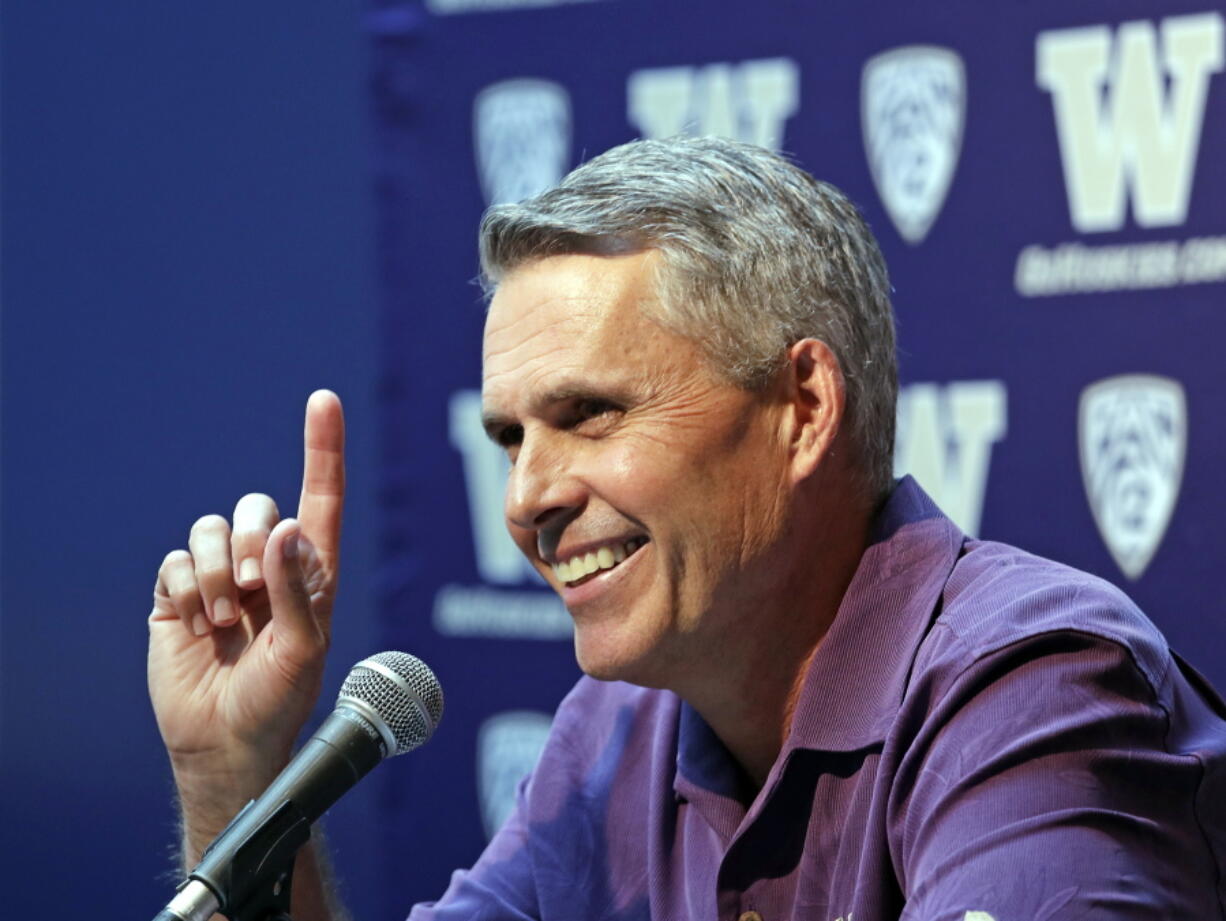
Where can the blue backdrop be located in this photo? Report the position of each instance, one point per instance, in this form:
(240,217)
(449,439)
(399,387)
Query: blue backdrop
(1043,181)
(187,252)
(195,235)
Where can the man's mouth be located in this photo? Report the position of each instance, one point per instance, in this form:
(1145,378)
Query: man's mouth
(580,569)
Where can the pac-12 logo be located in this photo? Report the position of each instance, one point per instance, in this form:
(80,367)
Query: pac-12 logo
(912,107)
(1132,432)
(508,746)
(522,136)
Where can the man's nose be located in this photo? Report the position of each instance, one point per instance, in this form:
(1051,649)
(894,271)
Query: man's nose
(541,486)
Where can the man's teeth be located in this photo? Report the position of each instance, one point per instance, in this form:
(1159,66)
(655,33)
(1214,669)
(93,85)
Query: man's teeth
(605,558)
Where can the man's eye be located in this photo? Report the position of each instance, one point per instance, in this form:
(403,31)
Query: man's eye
(592,410)
(588,409)
(509,436)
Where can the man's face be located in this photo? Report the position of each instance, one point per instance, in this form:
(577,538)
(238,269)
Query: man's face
(633,458)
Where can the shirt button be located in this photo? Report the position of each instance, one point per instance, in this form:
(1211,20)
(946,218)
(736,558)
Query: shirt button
(750,916)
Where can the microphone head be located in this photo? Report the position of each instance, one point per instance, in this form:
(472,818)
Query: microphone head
(401,692)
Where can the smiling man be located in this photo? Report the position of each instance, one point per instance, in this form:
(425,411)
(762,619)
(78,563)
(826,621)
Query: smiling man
(808,695)
(624,441)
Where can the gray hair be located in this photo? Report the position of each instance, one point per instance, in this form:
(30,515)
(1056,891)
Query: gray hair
(757,255)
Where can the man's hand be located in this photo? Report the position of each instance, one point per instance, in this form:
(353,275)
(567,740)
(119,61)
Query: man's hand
(240,624)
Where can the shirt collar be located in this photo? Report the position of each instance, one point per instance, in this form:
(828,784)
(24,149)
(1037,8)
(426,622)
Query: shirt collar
(857,677)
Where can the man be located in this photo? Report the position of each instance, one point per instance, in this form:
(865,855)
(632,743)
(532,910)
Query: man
(809,695)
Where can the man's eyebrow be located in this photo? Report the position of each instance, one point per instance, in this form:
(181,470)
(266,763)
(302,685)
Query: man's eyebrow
(494,423)
(566,392)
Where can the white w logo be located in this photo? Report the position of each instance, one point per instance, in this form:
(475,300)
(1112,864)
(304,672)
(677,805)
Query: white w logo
(747,100)
(945,438)
(1137,135)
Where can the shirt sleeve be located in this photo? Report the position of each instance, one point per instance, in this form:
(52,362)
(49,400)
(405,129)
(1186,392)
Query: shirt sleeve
(1042,783)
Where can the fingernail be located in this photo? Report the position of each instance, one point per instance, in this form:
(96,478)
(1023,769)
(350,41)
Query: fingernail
(223,612)
(200,625)
(289,547)
(249,570)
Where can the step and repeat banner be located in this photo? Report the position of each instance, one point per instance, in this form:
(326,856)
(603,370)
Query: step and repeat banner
(1046,182)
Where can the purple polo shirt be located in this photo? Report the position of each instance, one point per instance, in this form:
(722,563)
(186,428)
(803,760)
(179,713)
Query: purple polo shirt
(983,735)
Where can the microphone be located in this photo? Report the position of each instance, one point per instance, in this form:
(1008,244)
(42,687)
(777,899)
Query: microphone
(389,704)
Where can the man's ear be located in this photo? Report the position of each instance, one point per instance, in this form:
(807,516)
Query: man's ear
(817,396)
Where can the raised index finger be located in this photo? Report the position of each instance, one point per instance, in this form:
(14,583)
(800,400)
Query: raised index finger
(323,472)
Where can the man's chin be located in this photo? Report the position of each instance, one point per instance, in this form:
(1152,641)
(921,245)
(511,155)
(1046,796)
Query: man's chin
(602,668)
(614,661)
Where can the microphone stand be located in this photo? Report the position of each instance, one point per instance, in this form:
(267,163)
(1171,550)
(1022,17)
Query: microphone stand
(199,903)
(259,871)
(271,903)
(246,873)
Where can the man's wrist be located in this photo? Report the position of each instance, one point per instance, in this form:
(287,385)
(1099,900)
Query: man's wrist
(212,790)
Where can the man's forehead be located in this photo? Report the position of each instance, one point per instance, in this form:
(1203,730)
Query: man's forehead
(574,327)
(575,280)
(571,302)
(529,378)
(519,312)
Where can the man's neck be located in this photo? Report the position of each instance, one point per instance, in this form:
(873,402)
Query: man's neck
(751,689)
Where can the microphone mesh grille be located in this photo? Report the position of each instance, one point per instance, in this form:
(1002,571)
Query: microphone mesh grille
(410,710)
